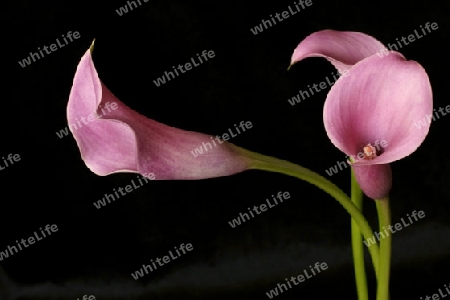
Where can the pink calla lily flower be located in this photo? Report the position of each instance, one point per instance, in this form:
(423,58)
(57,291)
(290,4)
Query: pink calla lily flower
(378,100)
(116,138)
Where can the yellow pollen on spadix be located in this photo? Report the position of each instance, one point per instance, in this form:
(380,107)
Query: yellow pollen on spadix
(370,152)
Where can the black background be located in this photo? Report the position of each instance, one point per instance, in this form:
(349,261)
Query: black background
(95,250)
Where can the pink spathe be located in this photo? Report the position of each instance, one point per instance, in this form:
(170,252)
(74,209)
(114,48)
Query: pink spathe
(122,140)
(380,99)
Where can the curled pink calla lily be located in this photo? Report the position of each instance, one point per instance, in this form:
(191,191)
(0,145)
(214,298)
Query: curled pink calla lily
(114,138)
(379,101)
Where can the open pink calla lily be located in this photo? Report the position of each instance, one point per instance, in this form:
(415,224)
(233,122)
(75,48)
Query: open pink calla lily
(379,100)
(116,138)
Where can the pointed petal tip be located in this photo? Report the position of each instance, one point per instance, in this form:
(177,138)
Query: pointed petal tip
(91,48)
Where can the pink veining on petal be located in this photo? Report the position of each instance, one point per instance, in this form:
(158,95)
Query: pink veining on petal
(381,99)
(342,48)
(121,140)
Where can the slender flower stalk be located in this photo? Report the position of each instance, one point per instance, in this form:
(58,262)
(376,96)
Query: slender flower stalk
(357,242)
(272,164)
(384,220)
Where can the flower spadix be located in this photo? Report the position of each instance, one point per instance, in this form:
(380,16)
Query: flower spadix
(379,99)
(114,138)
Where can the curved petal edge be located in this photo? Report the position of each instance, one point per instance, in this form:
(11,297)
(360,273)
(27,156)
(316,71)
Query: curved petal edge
(341,48)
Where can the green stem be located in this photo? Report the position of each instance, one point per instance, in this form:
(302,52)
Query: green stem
(384,217)
(272,164)
(357,242)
